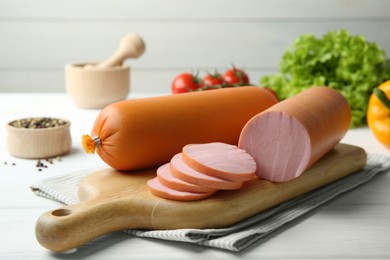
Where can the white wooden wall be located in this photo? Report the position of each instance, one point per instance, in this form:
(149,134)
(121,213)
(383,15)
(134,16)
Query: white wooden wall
(38,37)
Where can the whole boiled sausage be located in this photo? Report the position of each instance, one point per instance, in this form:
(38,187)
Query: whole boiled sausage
(290,136)
(147,132)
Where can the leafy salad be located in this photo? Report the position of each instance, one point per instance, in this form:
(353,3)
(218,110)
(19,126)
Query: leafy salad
(349,64)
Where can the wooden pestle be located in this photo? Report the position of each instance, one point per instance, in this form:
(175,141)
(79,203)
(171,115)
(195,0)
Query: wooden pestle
(131,46)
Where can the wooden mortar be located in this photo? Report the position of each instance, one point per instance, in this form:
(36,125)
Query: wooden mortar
(96,85)
(90,87)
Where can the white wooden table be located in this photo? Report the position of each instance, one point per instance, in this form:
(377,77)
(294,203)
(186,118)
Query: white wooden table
(355,225)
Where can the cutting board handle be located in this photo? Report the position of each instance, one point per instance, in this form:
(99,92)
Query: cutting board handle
(71,226)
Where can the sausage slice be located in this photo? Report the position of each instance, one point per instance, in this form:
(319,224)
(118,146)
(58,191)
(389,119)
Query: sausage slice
(182,171)
(220,160)
(167,179)
(159,190)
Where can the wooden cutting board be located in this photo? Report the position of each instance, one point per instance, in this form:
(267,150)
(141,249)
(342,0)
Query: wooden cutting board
(113,200)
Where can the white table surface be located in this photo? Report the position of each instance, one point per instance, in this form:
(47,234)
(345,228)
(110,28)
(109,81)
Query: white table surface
(354,226)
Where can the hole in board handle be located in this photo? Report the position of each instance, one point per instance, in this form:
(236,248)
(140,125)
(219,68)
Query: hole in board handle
(61,212)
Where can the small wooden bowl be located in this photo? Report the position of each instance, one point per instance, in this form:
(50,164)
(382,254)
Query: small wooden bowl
(38,143)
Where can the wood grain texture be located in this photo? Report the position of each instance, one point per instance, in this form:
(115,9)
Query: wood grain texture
(194,35)
(112,200)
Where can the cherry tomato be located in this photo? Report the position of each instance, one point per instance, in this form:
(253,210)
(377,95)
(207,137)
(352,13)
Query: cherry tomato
(213,81)
(186,82)
(236,77)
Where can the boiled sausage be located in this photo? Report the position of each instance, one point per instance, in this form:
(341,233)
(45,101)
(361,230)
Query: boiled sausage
(162,191)
(147,132)
(292,135)
(167,179)
(182,171)
(220,160)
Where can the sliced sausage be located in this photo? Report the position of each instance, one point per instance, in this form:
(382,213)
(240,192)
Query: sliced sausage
(159,190)
(182,171)
(290,136)
(220,160)
(167,179)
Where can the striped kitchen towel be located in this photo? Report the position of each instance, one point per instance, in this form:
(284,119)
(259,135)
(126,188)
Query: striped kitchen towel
(243,234)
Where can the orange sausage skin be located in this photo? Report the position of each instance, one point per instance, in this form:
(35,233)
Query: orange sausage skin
(147,132)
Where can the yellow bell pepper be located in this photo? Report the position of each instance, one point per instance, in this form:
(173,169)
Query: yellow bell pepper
(378,113)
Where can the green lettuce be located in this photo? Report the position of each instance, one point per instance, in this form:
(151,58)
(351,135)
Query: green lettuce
(349,64)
